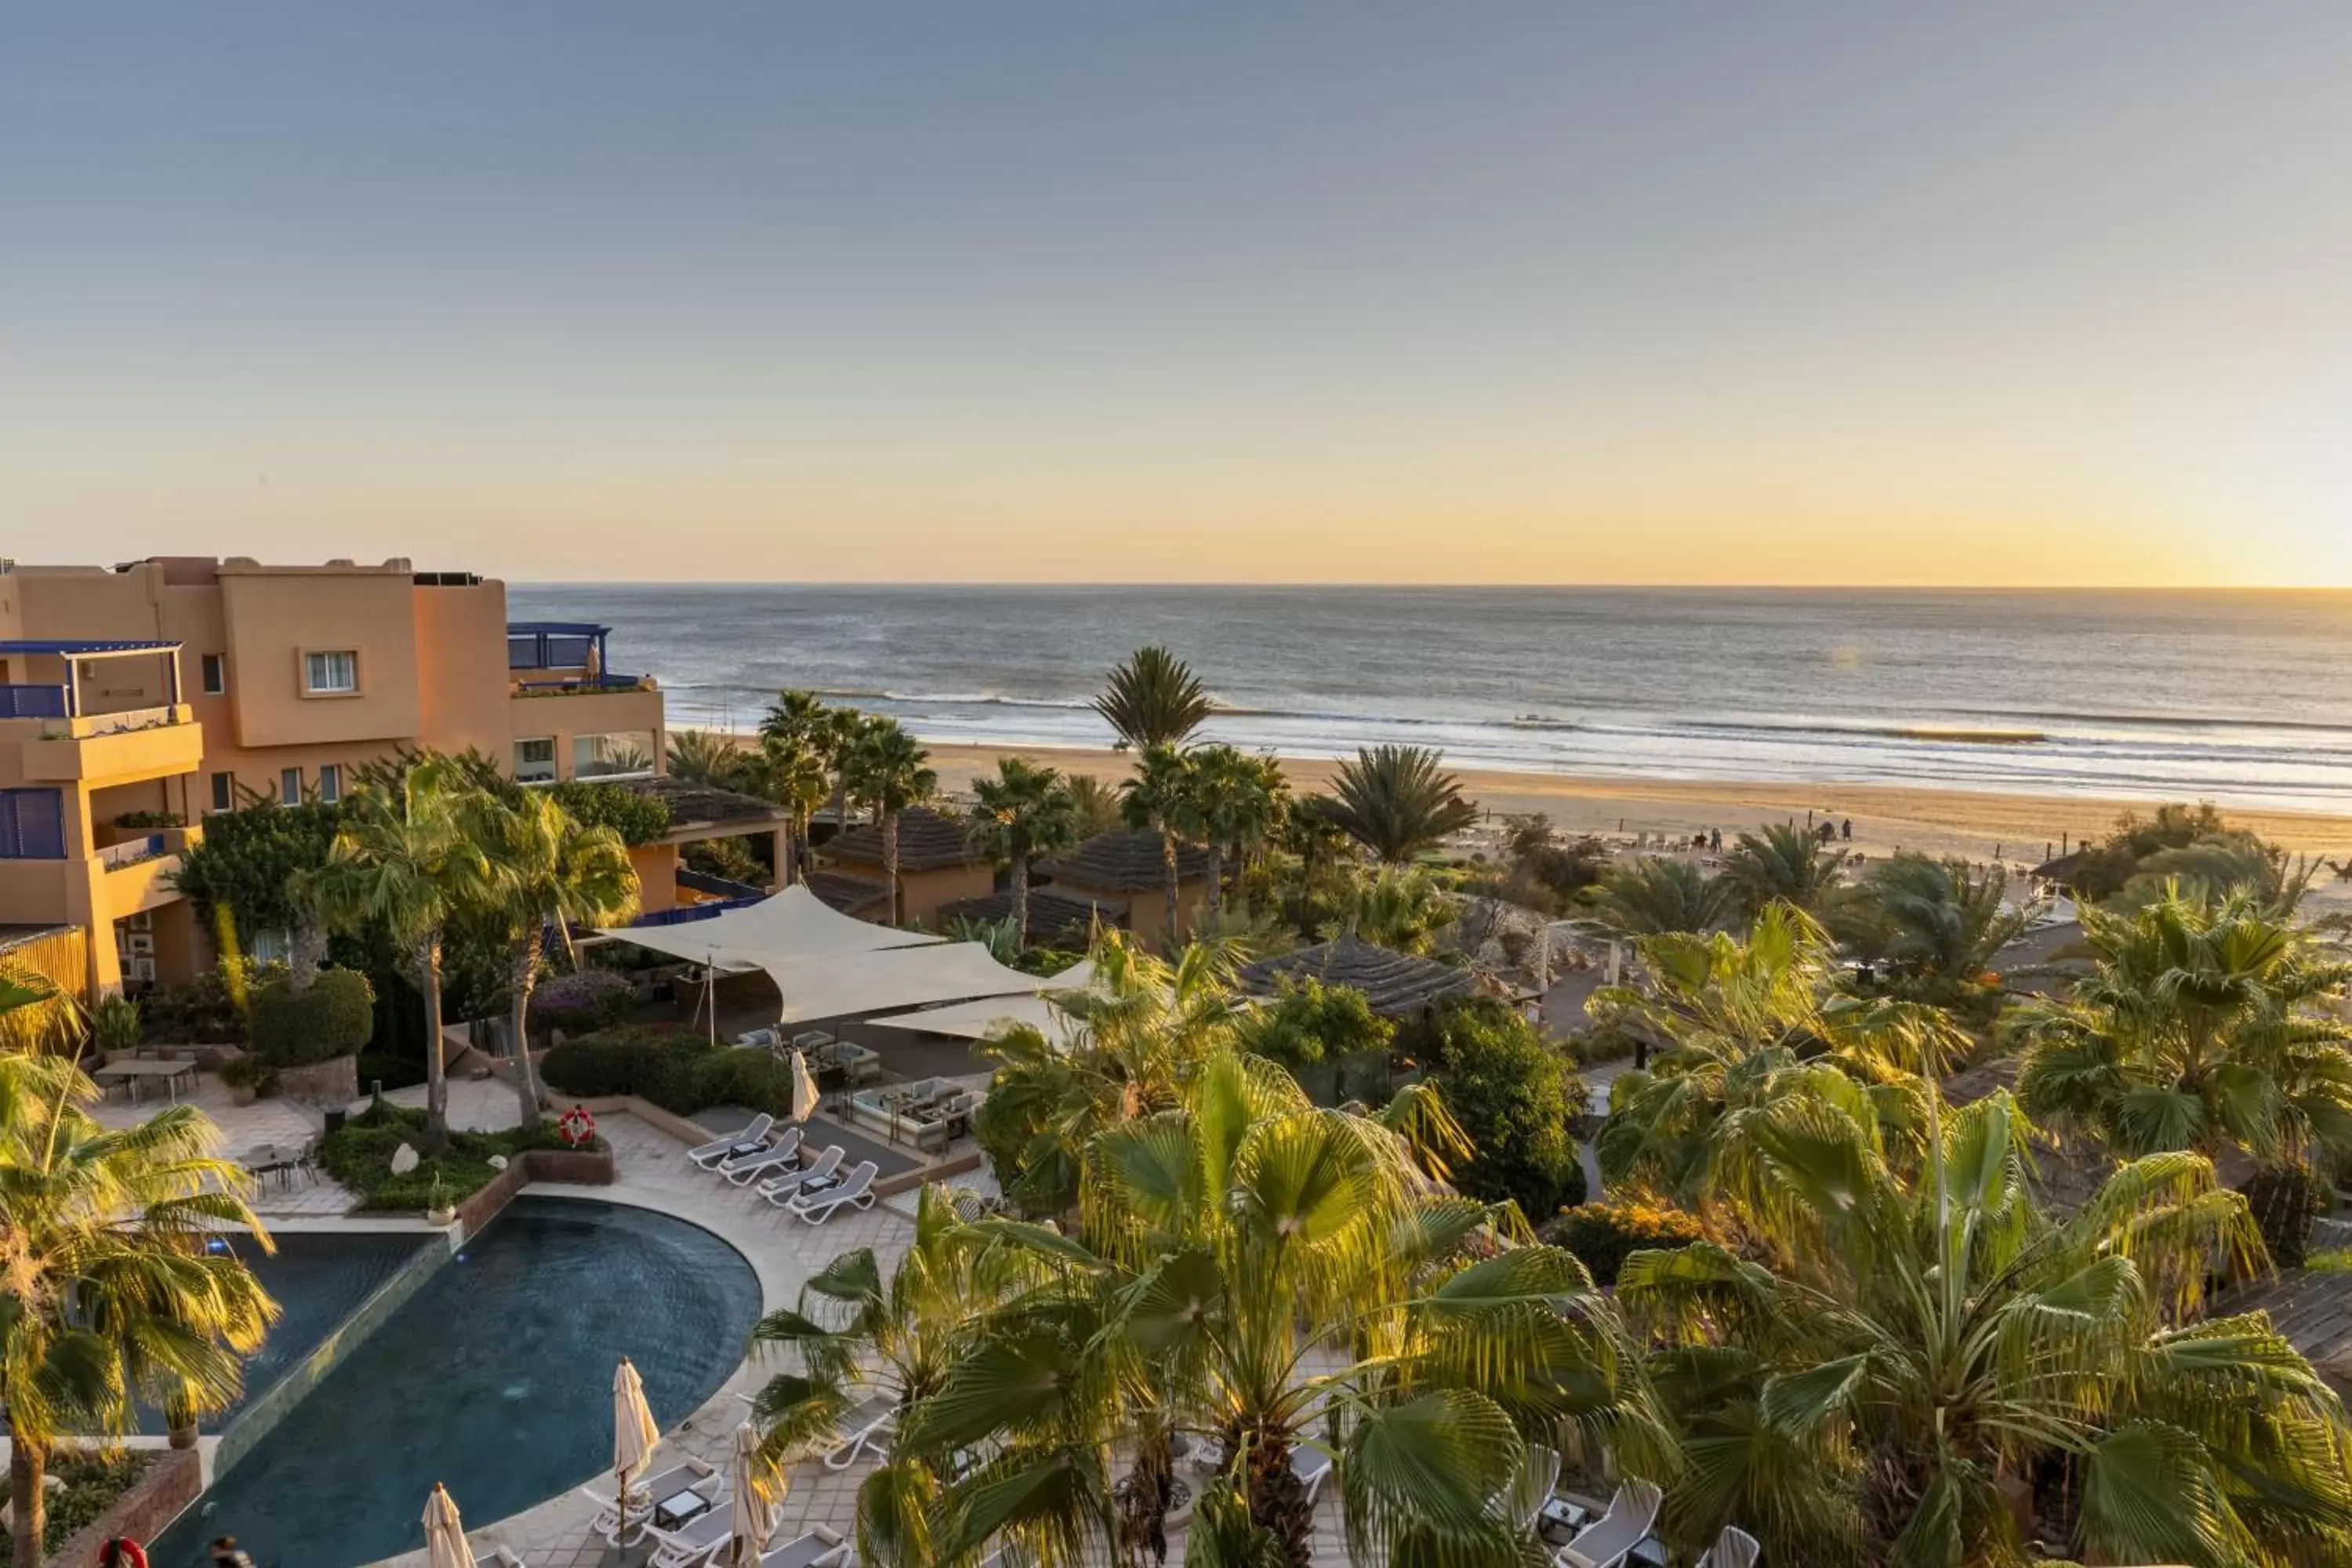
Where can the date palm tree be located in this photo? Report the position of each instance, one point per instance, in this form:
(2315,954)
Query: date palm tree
(404,862)
(1932,1344)
(548,871)
(1657,894)
(887,766)
(1152,698)
(704,757)
(1236,804)
(1783,864)
(1248,1269)
(1025,812)
(1158,796)
(1397,800)
(2203,1027)
(109,1292)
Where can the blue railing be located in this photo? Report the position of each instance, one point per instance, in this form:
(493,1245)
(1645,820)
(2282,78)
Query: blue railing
(686,914)
(716,887)
(130,852)
(21,701)
(582,683)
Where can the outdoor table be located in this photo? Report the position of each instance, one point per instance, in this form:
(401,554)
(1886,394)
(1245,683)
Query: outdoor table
(1561,1520)
(1651,1552)
(269,1159)
(636,1504)
(133,1072)
(680,1509)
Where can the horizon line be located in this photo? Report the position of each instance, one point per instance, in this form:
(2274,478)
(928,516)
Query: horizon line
(2304,588)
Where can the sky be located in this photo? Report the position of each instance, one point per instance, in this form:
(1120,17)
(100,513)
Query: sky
(1991,293)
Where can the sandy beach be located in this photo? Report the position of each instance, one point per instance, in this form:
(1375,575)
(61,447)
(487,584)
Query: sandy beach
(1976,825)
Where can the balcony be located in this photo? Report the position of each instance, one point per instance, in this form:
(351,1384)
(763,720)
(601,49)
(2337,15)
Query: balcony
(141,873)
(109,748)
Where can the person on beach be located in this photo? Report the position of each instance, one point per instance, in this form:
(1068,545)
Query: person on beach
(1849,830)
(1715,841)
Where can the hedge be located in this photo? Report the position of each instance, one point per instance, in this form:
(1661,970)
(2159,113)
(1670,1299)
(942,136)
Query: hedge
(674,1068)
(335,1017)
(87,1484)
(359,1154)
(581,1002)
(1604,1233)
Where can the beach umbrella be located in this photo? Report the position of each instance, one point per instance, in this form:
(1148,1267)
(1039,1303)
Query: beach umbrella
(633,1432)
(754,1516)
(445,1532)
(803,1088)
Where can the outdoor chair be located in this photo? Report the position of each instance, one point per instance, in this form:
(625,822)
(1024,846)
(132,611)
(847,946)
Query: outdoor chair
(783,1153)
(817,1206)
(1735,1548)
(1311,1463)
(865,1427)
(1519,1502)
(809,1551)
(784,1188)
(693,1544)
(709,1154)
(1606,1542)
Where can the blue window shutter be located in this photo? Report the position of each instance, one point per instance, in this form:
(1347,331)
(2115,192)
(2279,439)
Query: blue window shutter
(32,824)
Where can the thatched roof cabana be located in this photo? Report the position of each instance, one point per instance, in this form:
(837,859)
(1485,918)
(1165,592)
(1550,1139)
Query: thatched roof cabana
(928,841)
(1397,985)
(1056,920)
(850,895)
(1126,860)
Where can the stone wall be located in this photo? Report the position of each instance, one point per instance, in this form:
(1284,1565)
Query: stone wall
(578,1167)
(335,1081)
(170,1485)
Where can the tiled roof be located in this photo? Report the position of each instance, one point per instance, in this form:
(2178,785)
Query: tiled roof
(850,895)
(1126,860)
(699,807)
(1397,985)
(1056,920)
(928,841)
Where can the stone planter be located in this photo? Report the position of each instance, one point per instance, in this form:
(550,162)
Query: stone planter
(335,1081)
(445,1216)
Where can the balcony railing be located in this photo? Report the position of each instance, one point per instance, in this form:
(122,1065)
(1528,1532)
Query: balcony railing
(578,685)
(130,852)
(128,720)
(23,701)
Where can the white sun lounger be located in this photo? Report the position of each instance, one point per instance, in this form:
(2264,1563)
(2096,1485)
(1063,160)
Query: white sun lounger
(1521,1500)
(709,1154)
(1311,1463)
(817,1206)
(865,1427)
(782,1152)
(693,1544)
(1735,1548)
(1606,1542)
(813,1549)
(782,1189)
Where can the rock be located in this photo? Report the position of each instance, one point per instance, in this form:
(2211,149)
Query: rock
(403,1160)
(497,1161)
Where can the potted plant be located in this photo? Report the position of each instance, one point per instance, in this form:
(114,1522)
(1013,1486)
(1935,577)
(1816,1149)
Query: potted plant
(438,1210)
(248,1079)
(180,1421)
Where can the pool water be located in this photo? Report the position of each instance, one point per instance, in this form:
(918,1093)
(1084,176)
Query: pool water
(318,1280)
(496,1377)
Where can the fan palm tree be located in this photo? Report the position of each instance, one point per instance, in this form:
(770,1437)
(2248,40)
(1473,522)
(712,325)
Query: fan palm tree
(110,1291)
(547,870)
(1159,797)
(2214,867)
(1402,908)
(1094,805)
(887,767)
(1931,917)
(704,757)
(1745,1024)
(1024,813)
(1932,1346)
(1657,894)
(1248,1265)
(1397,800)
(35,1014)
(2203,1027)
(1784,863)
(1152,699)
(795,776)
(403,862)
(1236,800)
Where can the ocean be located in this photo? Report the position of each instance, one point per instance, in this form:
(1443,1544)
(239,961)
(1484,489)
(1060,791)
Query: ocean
(2244,698)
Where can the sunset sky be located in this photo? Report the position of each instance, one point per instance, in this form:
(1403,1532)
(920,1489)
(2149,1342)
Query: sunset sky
(1988,293)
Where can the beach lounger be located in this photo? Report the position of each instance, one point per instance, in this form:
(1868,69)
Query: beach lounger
(1519,1503)
(1311,1463)
(865,1427)
(818,1549)
(782,1154)
(816,1203)
(1735,1548)
(784,1188)
(694,1544)
(709,1154)
(1606,1542)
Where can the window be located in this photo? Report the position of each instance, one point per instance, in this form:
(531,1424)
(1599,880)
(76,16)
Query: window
(623,751)
(32,824)
(216,674)
(331,782)
(334,672)
(289,786)
(534,761)
(223,792)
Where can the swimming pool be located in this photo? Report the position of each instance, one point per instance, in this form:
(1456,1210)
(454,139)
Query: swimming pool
(495,1377)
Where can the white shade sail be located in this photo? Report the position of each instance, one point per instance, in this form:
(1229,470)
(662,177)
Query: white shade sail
(794,923)
(977,1020)
(856,984)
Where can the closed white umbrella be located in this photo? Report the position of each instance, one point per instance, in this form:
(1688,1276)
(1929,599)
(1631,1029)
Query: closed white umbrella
(803,1088)
(752,1480)
(633,1432)
(445,1532)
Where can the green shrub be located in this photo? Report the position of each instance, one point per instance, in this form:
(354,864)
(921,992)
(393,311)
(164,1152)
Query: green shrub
(1514,1096)
(252,1072)
(88,1483)
(1605,1233)
(148,821)
(114,1023)
(2285,1200)
(637,818)
(335,1017)
(204,1011)
(1309,1022)
(585,1000)
(359,1155)
(389,1070)
(673,1068)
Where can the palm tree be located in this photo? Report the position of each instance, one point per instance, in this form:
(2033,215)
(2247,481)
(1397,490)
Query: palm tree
(798,718)
(1094,805)
(796,776)
(1397,800)
(1247,1268)
(1784,863)
(110,1291)
(1402,908)
(704,757)
(35,1014)
(2221,864)
(886,768)
(1159,798)
(1152,699)
(2203,1027)
(1931,917)
(1657,894)
(403,862)
(1236,800)
(1746,1023)
(1024,812)
(1930,1347)
(548,869)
